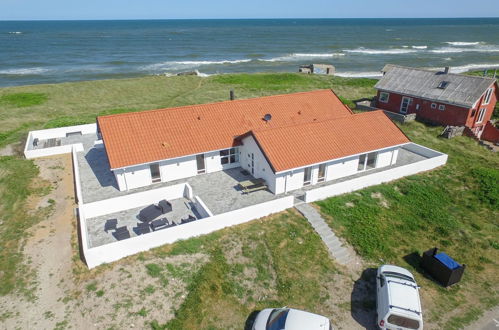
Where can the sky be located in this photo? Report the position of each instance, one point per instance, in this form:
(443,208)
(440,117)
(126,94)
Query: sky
(185,9)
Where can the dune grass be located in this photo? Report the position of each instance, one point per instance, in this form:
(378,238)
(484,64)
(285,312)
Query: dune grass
(22,100)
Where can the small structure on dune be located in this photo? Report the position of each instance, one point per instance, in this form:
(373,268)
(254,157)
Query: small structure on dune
(327,69)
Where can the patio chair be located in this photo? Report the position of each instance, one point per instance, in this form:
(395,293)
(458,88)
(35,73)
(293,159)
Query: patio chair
(159,224)
(189,219)
(165,206)
(110,224)
(143,228)
(121,233)
(150,213)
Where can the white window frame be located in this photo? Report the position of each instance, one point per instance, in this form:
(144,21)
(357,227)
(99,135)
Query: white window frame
(481,115)
(381,97)
(441,107)
(323,178)
(409,102)
(231,155)
(487,96)
(433,105)
(309,181)
(362,166)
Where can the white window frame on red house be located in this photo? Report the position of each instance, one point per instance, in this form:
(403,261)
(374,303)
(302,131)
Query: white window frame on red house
(381,99)
(487,96)
(433,105)
(481,115)
(441,107)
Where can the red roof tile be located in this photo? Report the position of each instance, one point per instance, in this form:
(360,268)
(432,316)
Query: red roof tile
(148,136)
(301,145)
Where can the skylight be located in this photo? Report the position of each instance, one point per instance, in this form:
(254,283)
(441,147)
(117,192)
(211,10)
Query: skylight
(443,84)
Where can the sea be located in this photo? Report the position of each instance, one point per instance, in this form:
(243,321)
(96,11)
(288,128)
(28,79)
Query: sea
(39,52)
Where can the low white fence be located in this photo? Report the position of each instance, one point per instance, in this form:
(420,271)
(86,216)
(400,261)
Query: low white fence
(114,251)
(76,176)
(53,133)
(388,175)
(201,207)
(131,201)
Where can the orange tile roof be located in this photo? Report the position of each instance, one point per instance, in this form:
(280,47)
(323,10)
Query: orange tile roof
(301,145)
(148,136)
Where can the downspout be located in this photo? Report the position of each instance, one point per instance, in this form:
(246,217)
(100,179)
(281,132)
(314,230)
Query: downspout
(124,177)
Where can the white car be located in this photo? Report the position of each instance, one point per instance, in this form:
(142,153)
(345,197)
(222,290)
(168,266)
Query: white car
(397,302)
(290,319)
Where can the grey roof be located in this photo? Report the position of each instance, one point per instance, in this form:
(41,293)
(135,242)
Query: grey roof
(461,90)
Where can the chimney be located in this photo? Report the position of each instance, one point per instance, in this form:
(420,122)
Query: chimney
(446,70)
(232,96)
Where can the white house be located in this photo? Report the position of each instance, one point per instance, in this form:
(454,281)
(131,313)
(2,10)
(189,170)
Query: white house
(289,140)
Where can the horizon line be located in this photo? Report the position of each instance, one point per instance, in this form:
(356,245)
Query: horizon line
(231,19)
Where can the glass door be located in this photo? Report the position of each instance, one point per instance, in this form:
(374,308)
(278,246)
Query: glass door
(307,177)
(405,104)
(155,173)
(322,173)
(200,164)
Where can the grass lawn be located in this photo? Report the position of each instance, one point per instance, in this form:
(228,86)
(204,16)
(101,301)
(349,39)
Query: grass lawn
(455,208)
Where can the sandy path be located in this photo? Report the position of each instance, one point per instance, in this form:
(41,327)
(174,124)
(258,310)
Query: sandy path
(49,251)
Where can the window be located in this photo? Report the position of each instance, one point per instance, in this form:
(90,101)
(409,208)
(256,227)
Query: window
(418,106)
(384,97)
(200,164)
(433,105)
(406,101)
(229,156)
(481,114)
(277,319)
(443,84)
(441,107)
(307,176)
(488,95)
(322,173)
(367,161)
(473,113)
(155,173)
(402,321)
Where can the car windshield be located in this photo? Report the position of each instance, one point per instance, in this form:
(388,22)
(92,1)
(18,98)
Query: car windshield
(403,321)
(277,319)
(398,275)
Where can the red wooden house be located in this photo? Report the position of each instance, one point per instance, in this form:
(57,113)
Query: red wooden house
(439,97)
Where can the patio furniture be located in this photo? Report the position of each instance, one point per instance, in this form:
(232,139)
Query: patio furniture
(150,213)
(188,219)
(159,224)
(442,267)
(143,228)
(110,224)
(253,185)
(165,206)
(121,233)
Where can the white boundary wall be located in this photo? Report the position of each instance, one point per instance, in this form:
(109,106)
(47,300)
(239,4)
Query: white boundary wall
(76,176)
(55,133)
(115,251)
(438,159)
(131,201)
(201,207)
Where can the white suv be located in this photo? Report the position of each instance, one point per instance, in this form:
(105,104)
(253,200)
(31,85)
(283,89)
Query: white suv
(397,303)
(290,319)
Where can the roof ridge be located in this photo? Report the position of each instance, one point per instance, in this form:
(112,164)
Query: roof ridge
(317,121)
(437,71)
(218,102)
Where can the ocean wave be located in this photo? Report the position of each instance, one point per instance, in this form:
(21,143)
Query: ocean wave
(474,66)
(24,71)
(182,65)
(368,74)
(362,50)
(15,32)
(451,50)
(300,57)
(419,47)
(462,43)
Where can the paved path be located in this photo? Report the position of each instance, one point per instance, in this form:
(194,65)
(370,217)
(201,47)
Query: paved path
(488,321)
(341,254)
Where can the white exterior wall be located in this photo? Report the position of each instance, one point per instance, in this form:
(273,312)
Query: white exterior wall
(386,158)
(179,168)
(114,251)
(262,168)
